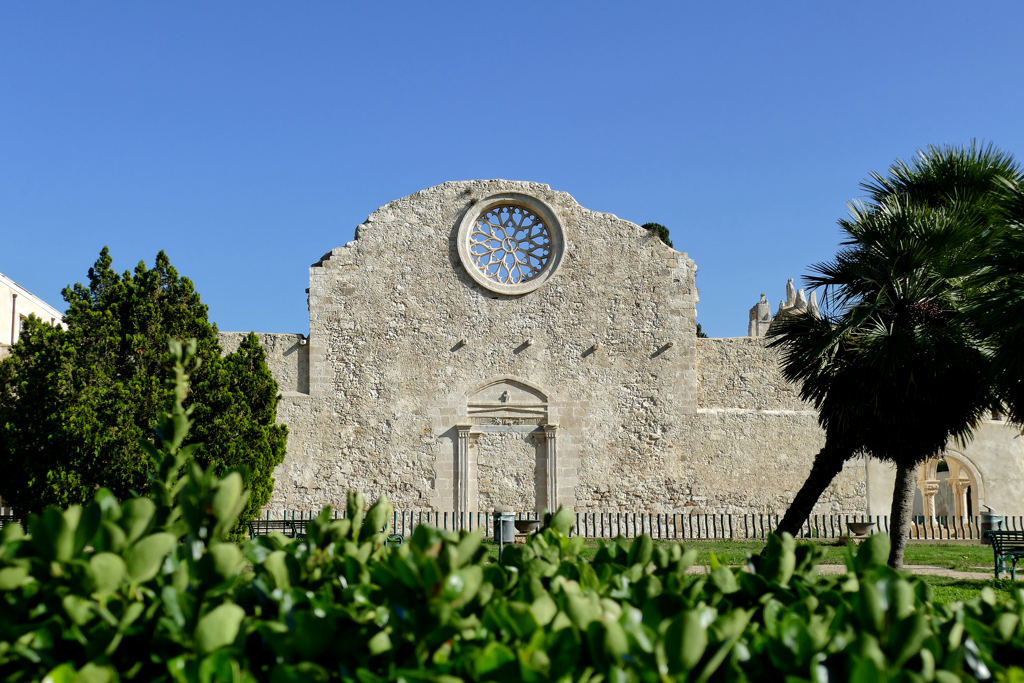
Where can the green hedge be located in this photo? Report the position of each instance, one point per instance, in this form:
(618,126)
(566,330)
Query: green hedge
(149,590)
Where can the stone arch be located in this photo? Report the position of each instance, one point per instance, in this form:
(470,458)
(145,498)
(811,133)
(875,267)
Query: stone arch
(521,392)
(964,480)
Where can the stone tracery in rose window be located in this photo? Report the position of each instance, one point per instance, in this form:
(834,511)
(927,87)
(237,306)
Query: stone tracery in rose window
(509,244)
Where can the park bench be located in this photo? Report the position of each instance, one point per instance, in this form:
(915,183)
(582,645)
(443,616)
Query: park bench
(262,527)
(1008,546)
(8,519)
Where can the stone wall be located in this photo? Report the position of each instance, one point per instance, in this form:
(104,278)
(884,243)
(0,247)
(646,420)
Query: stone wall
(287,357)
(591,389)
(743,373)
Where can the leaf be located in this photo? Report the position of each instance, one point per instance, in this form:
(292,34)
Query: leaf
(136,514)
(218,627)
(304,672)
(229,490)
(615,642)
(582,609)
(544,609)
(1006,625)
(376,518)
(221,562)
(901,598)
(13,577)
(521,618)
(907,636)
(88,525)
(562,521)
(77,608)
(493,657)
(51,536)
(131,613)
(467,547)
(93,673)
(107,570)
(65,673)
(276,566)
(778,560)
(472,580)
(724,580)
(873,552)
(111,537)
(685,641)
(379,643)
(219,667)
(11,532)
(868,605)
(146,556)
(354,509)
(641,550)
(866,671)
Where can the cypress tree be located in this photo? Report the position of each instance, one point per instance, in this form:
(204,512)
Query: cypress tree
(75,403)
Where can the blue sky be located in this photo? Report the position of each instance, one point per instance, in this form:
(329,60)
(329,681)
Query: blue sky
(248,138)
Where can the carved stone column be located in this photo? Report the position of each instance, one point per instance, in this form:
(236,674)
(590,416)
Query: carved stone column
(551,466)
(928,491)
(959,483)
(462,470)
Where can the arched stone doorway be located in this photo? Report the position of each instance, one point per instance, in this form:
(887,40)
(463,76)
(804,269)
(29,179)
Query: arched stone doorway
(507,451)
(948,485)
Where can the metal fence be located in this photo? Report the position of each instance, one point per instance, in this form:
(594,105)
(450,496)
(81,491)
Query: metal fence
(701,527)
(670,526)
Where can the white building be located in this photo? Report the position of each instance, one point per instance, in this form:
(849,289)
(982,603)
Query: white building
(17,304)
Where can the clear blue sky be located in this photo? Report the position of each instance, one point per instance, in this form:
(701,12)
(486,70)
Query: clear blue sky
(248,138)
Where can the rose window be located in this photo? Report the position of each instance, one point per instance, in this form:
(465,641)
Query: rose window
(509,244)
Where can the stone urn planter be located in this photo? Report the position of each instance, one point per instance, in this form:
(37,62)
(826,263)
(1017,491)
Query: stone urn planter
(860,528)
(527,526)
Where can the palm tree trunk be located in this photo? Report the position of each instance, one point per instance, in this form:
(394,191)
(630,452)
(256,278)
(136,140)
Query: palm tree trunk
(827,464)
(902,510)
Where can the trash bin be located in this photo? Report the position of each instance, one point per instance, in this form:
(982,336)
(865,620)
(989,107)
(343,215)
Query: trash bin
(504,528)
(989,522)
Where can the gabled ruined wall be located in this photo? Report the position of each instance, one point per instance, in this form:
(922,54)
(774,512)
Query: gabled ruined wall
(389,380)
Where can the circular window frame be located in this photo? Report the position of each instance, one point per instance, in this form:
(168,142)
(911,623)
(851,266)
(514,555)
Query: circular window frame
(547,216)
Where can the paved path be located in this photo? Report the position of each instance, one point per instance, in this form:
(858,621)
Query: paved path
(921,569)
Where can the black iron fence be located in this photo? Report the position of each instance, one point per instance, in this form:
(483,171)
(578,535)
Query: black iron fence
(669,526)
(684,527)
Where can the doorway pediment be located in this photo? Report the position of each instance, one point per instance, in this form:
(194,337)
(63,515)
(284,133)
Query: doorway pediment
(506,397)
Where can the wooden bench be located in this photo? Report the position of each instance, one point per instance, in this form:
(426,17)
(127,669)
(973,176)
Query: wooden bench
(1008,546)
(8,519)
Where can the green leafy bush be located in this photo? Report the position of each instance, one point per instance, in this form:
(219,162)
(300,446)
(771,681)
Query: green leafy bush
(149,590)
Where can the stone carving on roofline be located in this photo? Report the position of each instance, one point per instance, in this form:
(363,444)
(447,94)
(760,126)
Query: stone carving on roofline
(796,301)
(511,243)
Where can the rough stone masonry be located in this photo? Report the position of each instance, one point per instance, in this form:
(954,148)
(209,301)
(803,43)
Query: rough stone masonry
(489,343)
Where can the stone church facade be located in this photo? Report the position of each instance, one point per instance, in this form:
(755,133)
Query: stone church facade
(488,344)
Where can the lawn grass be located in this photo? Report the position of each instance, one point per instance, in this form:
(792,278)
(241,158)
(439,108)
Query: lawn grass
(956,557)
(948,589)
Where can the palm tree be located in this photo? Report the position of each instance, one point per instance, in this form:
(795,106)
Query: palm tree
(999,311)
(893,365)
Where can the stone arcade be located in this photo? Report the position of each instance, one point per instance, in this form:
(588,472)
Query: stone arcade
(489,343)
